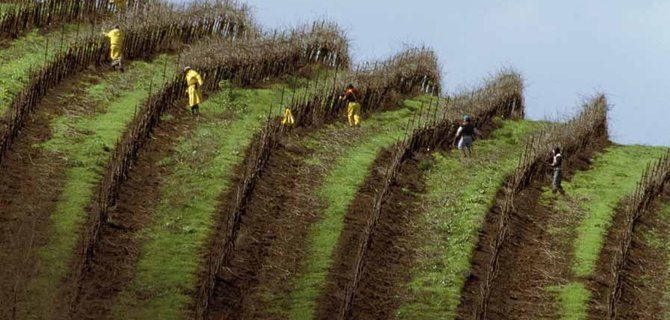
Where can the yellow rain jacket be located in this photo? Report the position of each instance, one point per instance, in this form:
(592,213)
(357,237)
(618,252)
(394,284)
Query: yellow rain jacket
(194,82)
(288,119)
(116,43)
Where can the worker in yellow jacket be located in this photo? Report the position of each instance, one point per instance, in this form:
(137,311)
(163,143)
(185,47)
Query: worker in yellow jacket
(194,82)
(115,46)
(352,96)
(288,119)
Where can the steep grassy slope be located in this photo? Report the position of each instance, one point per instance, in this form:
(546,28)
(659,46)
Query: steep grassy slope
(6,6)
(354,153)
(201,169)
(68,145)
(646,273)
(458,198)
(590,205)
(26,54)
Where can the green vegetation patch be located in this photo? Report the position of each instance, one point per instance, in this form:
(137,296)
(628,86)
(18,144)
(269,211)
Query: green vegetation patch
(202,168)
(84,141)
(27,54)
(614,175)
(459,196)
(595,194)
(573,299)
(343,179)
(4,7)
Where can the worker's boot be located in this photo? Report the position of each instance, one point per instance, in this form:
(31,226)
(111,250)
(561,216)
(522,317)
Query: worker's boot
(195,109)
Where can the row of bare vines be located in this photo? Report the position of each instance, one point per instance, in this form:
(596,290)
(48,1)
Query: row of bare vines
(654,180)
(411,72)
(38,14)
(157,29)
(575,135)
(435,127)
(241,61)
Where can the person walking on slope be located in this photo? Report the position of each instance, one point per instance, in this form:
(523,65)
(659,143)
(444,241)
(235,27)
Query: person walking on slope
(115,47)
(352,96)
(194,82)
(557,164)
(466,132)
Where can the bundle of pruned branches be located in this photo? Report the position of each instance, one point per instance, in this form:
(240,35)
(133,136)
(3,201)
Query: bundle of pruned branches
(268,55)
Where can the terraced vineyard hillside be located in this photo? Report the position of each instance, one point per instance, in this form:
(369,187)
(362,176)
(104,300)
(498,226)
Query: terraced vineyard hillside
(117,203)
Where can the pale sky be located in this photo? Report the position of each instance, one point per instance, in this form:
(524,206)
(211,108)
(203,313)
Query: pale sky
(565,50)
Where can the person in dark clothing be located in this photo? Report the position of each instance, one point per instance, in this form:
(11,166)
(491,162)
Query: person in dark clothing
(557,164)
(466,132)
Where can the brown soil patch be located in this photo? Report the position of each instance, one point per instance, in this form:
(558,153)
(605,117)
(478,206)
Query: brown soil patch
(391,252)
(531,257)
(645,271)
(113,265)
(272,232)
(30,182)
(340,274)
(270,247)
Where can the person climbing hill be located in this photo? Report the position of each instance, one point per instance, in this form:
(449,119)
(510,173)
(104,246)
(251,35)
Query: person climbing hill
(116,47)
(194,82)
(557,165)
(352,96)
(467,133)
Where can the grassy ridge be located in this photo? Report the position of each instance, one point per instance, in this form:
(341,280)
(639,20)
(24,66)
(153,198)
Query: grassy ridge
(346,175)
(25,54)
(459,196)
(201,172)
(5,7)
(595,194)
(83,139)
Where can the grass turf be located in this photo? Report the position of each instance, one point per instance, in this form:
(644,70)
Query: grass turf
(458,198)
(595,194)
(345,176)
(83,140)
(4,7)
(201,172)
(27,54)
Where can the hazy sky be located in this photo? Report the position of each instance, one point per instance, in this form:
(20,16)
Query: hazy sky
(565,50)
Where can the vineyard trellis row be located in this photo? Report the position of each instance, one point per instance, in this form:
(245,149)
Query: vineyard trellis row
(144,38)
(577,134)
(149,32)
(410,72)
(500,97)
(245,61)
(38,14)
(654,180)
